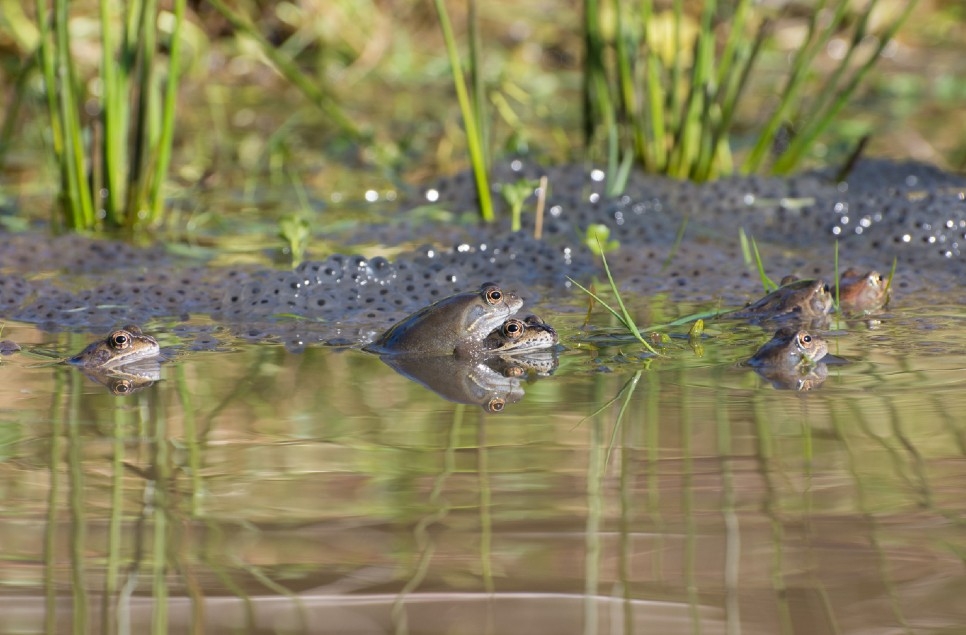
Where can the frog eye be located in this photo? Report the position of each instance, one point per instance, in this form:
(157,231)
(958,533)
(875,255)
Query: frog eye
(493,295)
(513,328)
(495,405)
(120,340)
(804,339)
(122,387)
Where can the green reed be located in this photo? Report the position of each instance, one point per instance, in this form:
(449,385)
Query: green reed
(675,101)
(750,255)
(623,316)
(472,111)
(112,167)
(839,87)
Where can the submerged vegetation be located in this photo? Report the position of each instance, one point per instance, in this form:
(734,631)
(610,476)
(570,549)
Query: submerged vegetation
(675,91)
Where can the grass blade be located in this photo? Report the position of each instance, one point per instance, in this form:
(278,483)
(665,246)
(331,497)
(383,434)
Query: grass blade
(474,139)
(166,137)
(815,41)
(74,165)
(308,86)
(825,112)
(624,316)
(114,118)
(476,79)
(892,274)
(749,252)
(838,305)
(675,245)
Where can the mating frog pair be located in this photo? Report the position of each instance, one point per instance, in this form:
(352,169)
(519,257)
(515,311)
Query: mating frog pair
(467,325)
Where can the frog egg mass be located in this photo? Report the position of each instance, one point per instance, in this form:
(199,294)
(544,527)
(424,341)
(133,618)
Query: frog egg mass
(914,212)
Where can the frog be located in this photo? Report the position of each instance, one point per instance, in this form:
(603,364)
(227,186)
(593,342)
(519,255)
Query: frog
(516,336)
(804,301)
(861,293)
(790,349)
(455,325)
(121,347)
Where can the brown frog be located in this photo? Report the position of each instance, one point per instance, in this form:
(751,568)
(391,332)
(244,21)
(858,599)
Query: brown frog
(862,292)
(121,347)
(520,336)
(796,300)
(791,360)
(456,325)
(790,349)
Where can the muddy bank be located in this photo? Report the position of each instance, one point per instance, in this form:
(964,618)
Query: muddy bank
(913,212)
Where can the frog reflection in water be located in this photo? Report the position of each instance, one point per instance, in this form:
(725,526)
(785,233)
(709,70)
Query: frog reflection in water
(456,325)
(862,293)
(799,300)
(127,379)
(122,347)
(516,336)
(460,380)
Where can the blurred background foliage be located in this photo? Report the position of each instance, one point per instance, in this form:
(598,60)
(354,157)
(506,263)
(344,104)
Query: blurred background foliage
(384,109)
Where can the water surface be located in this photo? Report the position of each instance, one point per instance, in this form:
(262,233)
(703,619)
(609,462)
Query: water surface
(254,489)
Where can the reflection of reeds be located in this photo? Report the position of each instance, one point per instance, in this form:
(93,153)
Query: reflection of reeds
(78,509)
(114,541)
(53,502)
(674,101)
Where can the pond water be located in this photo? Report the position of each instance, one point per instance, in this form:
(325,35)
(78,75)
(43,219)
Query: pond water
(253,489)
(271,477)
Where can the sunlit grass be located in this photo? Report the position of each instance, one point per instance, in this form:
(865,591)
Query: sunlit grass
(669,86)
(113,168)
(655,91)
